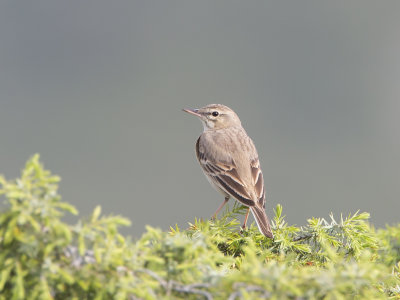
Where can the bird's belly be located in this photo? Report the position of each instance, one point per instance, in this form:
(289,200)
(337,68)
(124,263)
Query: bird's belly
(217,188)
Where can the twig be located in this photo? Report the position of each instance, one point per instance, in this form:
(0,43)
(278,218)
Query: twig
(303,237)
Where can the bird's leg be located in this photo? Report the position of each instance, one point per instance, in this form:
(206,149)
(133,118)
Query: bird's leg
(245,219)
(220,207)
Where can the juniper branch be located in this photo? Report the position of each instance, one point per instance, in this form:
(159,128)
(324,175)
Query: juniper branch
(178,287)
(248,288)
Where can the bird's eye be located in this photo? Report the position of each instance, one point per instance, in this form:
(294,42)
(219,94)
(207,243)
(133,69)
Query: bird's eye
(215,113)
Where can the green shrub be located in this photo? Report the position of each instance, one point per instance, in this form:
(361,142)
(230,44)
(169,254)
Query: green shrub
(43,257)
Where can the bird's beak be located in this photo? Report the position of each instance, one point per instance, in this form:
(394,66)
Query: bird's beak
(194,112)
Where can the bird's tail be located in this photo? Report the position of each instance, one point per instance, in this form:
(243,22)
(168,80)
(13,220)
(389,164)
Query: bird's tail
(262,221)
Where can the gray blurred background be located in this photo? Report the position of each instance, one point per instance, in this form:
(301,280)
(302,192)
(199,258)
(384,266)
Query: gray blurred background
(97,88)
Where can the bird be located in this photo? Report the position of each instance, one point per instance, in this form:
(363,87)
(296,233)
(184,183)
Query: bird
(229,160)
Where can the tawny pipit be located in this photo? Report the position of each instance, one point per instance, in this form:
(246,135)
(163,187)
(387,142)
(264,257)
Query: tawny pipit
(230,162)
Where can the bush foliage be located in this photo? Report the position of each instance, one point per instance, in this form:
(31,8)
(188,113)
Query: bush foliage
(43,257)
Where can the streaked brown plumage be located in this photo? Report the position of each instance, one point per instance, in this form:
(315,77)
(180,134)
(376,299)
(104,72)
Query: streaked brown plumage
(230,162)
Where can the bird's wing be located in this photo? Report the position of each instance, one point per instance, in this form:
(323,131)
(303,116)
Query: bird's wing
(226,176)
(258,181)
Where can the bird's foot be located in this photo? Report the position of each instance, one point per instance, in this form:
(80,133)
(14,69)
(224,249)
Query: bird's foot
(243,229)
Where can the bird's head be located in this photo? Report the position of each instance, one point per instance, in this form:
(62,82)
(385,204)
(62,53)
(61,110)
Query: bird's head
(215,116)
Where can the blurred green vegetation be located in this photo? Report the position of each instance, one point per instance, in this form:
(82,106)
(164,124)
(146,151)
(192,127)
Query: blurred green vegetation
(43,257)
